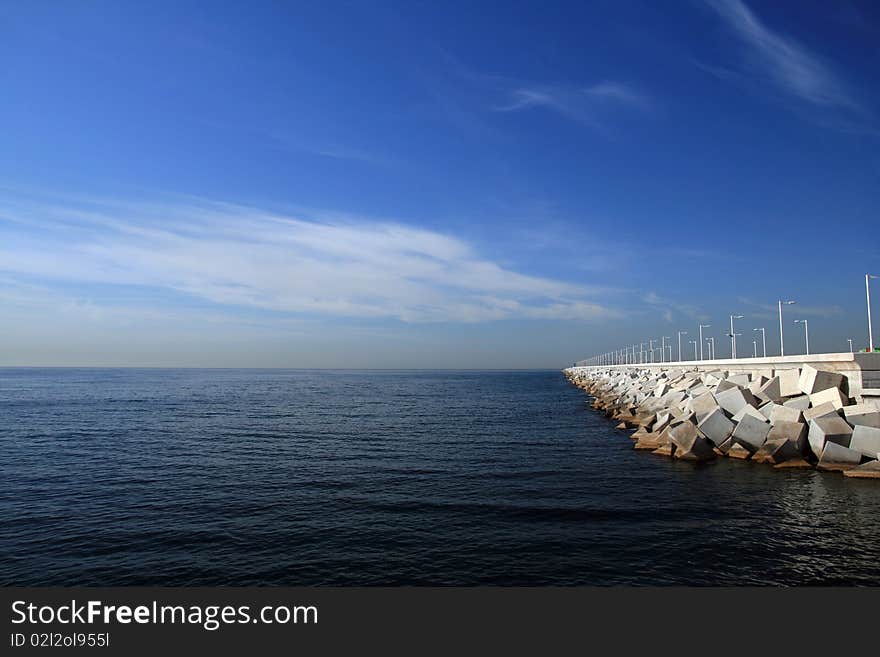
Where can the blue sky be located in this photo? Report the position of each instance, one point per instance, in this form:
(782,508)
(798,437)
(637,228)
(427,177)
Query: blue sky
(431,184)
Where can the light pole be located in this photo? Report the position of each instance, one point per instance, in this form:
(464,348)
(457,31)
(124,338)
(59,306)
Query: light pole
(850,344)
(754,348)
(711,342)
(694,342)
(806,332)
(868,277)
(651,347)
(781,338)
(763,341)
(641,352)
(663,352)
(680,333)
(702,326)
(733,336)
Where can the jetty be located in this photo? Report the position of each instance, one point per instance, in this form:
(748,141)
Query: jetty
(818,411)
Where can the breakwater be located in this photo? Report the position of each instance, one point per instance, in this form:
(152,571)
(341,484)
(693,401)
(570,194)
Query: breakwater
(788,412)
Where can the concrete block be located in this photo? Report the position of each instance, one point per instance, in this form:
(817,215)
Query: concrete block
(863,415)
(751,433)
(800,402)
(775,451)
(767,408)
(698,390)
(749,410)
(836,457)
(828,428)
(796,432)
(725,385)
(661,390)
(716,427)
(821,410)
(866,440)
(703,405)
(812,380)
(742,379)
(788,382)
(832,395)
(869,470)
(737,451)
(684,435)
(785,414)
(770,390)
(732,400)
(755,387)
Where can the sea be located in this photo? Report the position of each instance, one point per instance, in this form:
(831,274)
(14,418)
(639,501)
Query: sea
(185,477)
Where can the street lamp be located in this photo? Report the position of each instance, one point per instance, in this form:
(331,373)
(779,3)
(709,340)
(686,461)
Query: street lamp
(754,348)
(806,332)
(732,336)
(702,326)
(680,333)
(763,341)
(850,344)
(711,342)
(663,348)
(868,277)
(781,339)
(694,342)
(651,346)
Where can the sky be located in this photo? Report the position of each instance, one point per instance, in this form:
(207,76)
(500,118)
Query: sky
(432,185)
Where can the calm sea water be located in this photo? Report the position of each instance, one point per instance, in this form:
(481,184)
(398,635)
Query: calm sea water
(239,477)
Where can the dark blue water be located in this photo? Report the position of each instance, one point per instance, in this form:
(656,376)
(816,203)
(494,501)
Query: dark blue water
(238,477)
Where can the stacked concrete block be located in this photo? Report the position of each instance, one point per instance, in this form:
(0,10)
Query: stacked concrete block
(832,395)
(788,417)
(866,440)
(812,380)
(862,415)
(828,428)
(770,390)
(821,410)
(837,457)
(800,402)
(751,433)
(734,399)
(749,410)
(785,414)
(788,382)
(796,432)
(716,426)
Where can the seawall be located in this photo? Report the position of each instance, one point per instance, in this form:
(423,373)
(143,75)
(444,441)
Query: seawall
(820,411)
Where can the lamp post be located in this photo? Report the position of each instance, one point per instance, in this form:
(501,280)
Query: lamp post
(711,342)
(702,326)
(850,344)
(694,342)
(663,348)
(868,277)
(680,333)
(781,338)
(733,336)
(754,348)
(651,346)
(763,341)
(806,332)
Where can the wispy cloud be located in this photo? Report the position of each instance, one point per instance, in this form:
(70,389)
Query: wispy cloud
(583,104)
(780,60)
(243,258)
